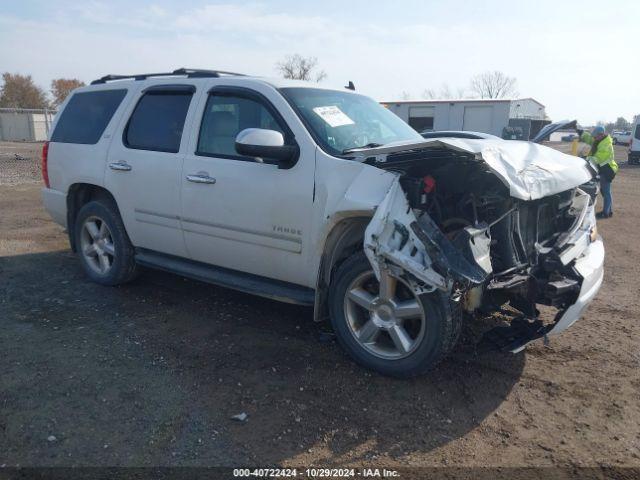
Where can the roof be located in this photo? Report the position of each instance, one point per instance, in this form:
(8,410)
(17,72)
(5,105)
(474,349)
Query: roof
(453,100)
(284,83)
(527,98)
(206,82)
(197,74)
(465,100)
(180,72)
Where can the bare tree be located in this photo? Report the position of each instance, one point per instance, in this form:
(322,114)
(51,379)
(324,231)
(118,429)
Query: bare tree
(429,94)
(493,85)
(444,93)
(19,91)
(297,67)
(62,87)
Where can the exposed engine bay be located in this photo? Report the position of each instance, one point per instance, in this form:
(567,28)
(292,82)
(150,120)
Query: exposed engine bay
(464,233)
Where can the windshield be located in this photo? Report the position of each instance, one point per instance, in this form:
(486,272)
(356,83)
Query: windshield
(341,121)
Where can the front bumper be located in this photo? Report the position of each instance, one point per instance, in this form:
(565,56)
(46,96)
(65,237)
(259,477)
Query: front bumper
(590,265)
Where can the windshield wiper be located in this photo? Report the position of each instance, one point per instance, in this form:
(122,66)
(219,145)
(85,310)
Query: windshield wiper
(368,145)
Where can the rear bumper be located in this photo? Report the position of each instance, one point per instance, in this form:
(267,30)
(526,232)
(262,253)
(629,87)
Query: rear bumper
(55,203)
(590,265)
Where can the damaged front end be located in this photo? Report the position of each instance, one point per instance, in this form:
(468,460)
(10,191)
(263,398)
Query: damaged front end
(451,222)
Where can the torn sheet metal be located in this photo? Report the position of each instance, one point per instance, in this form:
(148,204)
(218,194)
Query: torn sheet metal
(389,238)
(417,246)
(530,171)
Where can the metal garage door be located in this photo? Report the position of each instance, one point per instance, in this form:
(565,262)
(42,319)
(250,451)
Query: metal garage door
(478,118)
(421,118)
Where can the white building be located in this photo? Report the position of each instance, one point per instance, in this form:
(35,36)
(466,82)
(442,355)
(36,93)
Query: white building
(486,115)
(527,108)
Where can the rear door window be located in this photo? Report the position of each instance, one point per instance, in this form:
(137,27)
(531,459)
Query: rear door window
(158,120)
(86,116)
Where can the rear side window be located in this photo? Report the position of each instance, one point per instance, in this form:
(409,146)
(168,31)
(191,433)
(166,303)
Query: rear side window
(86,116)
(157,121)
(637,135)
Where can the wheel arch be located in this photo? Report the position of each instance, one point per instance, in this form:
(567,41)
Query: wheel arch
(344,239)
(78,195)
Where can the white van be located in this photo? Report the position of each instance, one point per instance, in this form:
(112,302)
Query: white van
(634,143)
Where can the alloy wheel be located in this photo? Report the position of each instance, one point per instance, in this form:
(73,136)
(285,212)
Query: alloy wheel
(96,244)
(385,317)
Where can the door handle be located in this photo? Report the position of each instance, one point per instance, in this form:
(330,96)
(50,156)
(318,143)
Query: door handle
(201,178)
(120,166)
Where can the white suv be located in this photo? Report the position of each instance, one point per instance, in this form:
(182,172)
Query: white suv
(323,198)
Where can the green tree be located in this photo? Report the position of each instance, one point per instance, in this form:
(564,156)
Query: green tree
(621,123)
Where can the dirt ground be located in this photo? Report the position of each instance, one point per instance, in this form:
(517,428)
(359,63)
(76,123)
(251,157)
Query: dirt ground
(150,373)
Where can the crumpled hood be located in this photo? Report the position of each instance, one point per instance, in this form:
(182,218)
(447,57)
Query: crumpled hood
(531,171)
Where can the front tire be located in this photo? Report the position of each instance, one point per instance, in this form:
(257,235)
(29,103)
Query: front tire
(385,326)
(104,248)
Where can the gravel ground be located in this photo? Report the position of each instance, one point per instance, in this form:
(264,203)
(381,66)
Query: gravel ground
(150,373)
(20,163)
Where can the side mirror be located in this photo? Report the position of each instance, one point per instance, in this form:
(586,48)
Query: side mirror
(266,145)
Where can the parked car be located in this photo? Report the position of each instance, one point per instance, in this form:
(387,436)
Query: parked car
(323,198)
(634,143)
(569,138)
(621,137)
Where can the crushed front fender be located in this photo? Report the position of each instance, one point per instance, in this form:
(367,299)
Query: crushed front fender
(419,248)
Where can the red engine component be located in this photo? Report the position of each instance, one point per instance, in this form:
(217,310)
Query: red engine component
(429,184)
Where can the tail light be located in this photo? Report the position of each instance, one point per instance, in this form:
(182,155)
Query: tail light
(45,157)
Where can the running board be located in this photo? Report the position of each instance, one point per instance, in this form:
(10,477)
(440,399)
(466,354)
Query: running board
(224,277)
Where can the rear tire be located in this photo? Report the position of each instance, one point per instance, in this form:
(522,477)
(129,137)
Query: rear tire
(103,246)
(399,334)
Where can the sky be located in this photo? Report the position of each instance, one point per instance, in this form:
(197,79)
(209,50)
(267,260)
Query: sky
(579,58)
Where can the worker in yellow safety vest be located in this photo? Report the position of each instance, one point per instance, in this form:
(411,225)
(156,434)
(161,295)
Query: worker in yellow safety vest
(602,155)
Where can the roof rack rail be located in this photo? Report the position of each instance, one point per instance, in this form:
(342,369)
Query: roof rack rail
(188,72)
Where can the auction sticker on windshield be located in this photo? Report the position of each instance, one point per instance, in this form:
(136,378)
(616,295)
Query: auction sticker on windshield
(333,116)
